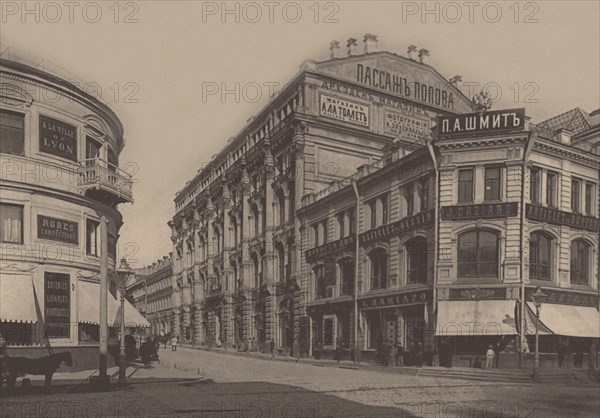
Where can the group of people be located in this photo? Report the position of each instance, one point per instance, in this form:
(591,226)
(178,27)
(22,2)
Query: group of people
(397,355)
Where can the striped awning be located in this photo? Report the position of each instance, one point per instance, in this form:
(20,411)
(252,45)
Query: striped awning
(17,302)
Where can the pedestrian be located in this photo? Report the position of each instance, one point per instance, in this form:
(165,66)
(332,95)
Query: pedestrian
(174,344)
(399,355)
(489,357)
(272,348)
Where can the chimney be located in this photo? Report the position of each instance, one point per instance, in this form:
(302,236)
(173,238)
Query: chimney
(564,136)
(412,52)
(370,42)
(423,56)
(352,47)
(334,48)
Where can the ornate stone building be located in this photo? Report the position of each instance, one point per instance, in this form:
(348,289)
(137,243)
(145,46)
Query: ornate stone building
(237,242)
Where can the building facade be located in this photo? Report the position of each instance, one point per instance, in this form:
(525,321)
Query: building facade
(153,295)
(60,176)
(237,242)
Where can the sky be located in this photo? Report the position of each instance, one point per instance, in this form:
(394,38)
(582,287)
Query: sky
(162,66)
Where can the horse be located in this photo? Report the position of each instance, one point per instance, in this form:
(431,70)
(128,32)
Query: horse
(47,366)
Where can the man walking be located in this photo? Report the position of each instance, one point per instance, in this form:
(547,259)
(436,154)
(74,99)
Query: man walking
(174,344)
(489,358)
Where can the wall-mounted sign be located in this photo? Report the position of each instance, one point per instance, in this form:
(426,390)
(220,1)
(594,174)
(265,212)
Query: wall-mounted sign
(411,298)
(344,110)
(57,305)
(559,217)
(406,125)
(58,229)
(486,210)
(564,298)
(477,294)
(329,249)
(384,231)
(58,138)
(477,123)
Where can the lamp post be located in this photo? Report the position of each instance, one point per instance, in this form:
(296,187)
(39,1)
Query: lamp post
(538,299)
(123,273)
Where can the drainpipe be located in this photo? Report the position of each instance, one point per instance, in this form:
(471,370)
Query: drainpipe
(528,147)
(436,230)
(356,268)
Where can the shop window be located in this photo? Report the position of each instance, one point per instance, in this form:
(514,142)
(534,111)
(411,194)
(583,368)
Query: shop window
(540,256)
(589,198)
(534,185)
(329,331)
(465,185)
(416,255)
(91,238)
(379,264)
(18,333)
(374,333)
(12,133)
(492,183)
(581,255)
(478,254)
(575,195)
(89,333)
(551,188)
(11,223)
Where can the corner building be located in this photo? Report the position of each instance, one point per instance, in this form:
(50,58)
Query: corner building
(60,175)
(238,243)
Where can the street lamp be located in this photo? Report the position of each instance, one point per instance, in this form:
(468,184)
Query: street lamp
(123,273)
(538,299)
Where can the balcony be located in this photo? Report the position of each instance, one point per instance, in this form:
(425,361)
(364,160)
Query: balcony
(105,182)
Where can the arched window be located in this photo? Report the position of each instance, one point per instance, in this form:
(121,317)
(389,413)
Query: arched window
(581,255)
(540,256)
(416,260)
(256,223)
(379,267)
(256,263)
(346,268)
(478,254)
(281,205)
(280,262)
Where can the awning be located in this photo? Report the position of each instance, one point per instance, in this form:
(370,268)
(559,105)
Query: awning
(89,308)
(567,320)
(16,299)
(475,318)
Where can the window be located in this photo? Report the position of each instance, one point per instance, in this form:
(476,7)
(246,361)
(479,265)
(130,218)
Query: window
(316,234)
(320,285)
(11,223)
(580,262)
(378,258)
(329,330)
(91,238)
(492,183)
(256,265)
(92,150)
(478,254)
(346,269)
(12,133)
(540,256)
(534,185)
(575,195)
(416,256)
(341,229)
(465,185)
(281,205)
(551,188)
(385,213)
(352,221)
(589,198)
(325,232)
(409,191)
(424,193)
(373,210)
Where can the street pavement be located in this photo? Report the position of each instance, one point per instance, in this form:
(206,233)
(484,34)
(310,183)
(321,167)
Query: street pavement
(195,383)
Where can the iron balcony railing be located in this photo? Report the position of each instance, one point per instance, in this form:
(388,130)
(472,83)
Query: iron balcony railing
(99,174)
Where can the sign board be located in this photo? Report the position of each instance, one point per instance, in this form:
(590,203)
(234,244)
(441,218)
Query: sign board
(477,123)
(58,229)
(344,110)
(478,293)
(58,138)
(560,217)
(384,231)
(329,249)
(57,305)
(486,210)
(406,125)
(411,298)
(564,298)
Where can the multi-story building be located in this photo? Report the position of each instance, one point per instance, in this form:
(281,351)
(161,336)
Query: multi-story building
(454,235)
(152,293)
(60,177)
(237,241)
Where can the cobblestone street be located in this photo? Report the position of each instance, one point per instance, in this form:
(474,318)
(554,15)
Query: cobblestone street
(257,387)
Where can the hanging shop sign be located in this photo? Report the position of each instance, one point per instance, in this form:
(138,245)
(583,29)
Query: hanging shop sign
(406,125)
(477,123)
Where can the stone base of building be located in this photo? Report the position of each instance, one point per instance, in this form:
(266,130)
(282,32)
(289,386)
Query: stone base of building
(84,358)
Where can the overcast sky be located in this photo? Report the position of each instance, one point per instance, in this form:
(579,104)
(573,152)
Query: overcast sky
(154,63)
